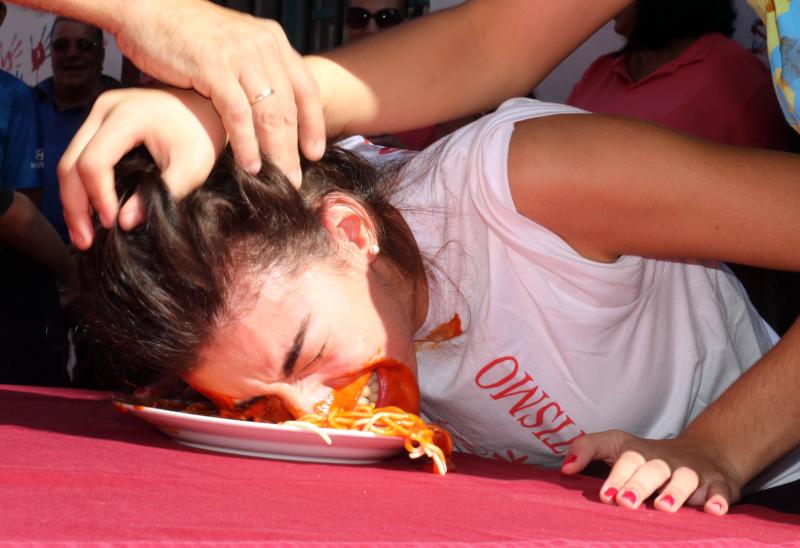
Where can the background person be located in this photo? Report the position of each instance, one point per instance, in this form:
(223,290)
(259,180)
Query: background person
(364,18)
(20,155)
(32,330)
(64,101)
(679,68)
(33,345)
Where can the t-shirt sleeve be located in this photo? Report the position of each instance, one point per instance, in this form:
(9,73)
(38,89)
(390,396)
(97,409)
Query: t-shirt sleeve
(22,165)
(491,195)
(489,182)
(6,199)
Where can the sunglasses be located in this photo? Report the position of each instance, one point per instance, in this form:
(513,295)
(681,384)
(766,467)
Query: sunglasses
(358,18)
(83,45)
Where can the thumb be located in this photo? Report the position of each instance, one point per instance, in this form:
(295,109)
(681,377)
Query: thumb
(603,446)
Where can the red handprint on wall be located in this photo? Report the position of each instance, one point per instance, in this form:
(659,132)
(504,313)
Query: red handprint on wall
(39,50)
(10,56)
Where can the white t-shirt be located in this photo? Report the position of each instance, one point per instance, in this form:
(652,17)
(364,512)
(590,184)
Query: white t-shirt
(556,345)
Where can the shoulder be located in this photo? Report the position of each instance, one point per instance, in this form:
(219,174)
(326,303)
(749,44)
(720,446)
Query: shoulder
(728,71)
(43,90)
(14,88)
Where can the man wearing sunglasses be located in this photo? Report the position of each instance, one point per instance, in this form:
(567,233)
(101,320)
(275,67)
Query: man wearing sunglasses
(365,17)
(64,101)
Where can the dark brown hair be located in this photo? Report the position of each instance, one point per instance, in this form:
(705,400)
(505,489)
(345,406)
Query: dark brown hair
(152,296)
(97,30)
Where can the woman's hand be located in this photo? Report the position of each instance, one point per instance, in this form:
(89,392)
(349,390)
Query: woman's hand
(678,471)
(181,130)
(231,58)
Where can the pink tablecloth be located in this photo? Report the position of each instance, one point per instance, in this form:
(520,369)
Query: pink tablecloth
(73,469)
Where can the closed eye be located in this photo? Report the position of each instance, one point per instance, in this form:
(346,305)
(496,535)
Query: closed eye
(294,352)
(315,359)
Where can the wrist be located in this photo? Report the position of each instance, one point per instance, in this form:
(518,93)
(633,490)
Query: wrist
(730,457)
(338,94)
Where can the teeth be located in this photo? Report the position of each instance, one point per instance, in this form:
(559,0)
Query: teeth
(370,392)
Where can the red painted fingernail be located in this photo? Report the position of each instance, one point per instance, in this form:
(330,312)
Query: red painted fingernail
(611,492)
(669,500)
(569,459)
(630,496)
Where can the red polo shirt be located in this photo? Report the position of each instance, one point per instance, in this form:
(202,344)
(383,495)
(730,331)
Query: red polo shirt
(715,89)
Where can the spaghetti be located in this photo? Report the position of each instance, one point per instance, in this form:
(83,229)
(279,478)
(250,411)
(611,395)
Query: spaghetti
(421,439)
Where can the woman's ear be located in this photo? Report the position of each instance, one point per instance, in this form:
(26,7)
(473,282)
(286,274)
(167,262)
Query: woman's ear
(350,225)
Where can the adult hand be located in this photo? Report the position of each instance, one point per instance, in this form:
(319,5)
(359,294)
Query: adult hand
(181,130)
(679,471)
(231,58)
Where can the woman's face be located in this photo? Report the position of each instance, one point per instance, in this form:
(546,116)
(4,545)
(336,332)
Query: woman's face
(318,337)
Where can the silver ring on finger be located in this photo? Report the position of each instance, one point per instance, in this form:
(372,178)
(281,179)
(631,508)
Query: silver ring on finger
(266,92)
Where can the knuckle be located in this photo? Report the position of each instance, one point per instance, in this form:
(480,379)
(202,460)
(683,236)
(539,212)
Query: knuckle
(659,467)
(274,31)
(289,112)
(238,113)
(271,118)
(633,457)
(87,169)
(106,99)
(63,169)
(686,474)
(582,442)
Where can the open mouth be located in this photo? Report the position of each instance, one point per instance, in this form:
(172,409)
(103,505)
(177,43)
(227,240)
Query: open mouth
(369,394)
(387,383)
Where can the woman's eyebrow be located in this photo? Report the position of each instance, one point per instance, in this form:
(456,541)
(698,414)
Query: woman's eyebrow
(294,352)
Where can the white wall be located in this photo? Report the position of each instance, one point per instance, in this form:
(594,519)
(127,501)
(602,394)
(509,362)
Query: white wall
(24,46)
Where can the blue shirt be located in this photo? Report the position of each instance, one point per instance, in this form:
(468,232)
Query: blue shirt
(58,127)
(20,153)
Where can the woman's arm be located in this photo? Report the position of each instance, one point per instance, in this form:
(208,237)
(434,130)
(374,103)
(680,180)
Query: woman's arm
(440,67)
(451,63)
(749,427)
(610,187)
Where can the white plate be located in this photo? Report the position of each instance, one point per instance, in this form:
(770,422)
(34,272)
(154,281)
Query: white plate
(272,441)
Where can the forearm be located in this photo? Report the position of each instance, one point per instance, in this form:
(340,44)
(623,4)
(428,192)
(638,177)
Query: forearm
(452,63)
(755,421)
(24,228)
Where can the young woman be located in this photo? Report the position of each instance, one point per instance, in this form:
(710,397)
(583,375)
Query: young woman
(533,227)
